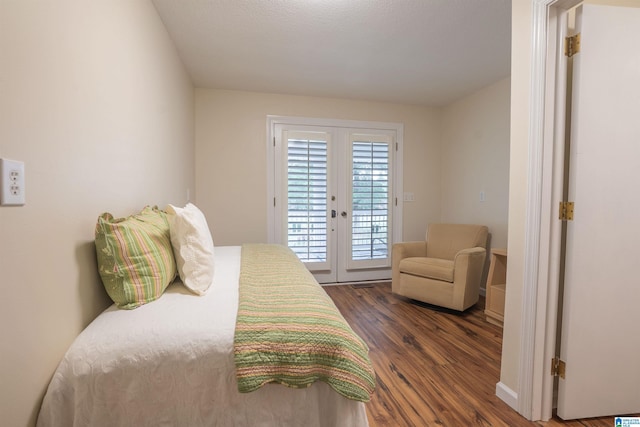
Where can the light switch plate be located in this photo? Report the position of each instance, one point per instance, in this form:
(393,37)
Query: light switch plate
(12,191)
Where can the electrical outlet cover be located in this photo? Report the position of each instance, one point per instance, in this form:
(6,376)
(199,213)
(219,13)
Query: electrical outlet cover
(12,191)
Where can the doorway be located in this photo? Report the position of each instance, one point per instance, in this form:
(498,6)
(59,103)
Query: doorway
(334,195)
(540,302)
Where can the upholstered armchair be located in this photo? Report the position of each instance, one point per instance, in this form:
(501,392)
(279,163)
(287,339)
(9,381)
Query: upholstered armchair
(445,269)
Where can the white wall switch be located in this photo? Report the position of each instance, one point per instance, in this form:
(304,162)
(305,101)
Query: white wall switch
(408,197)
(12,191)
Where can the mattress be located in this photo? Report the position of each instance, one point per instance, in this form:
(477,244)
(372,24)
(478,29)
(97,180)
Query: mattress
(171,363)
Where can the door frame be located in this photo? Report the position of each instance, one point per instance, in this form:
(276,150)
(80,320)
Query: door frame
(397,196)
(540,296)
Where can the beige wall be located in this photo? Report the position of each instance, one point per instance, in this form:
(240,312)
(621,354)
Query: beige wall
(97,104)
(450,155)
(231,170)
(475,158)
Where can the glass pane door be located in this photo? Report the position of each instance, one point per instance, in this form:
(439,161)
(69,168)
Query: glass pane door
(333,205)
(306,190)
(370,226)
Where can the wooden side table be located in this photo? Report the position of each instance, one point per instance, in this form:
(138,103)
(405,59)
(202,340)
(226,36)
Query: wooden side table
(496,287)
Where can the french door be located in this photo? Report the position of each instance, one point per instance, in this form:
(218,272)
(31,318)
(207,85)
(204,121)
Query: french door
(334,198)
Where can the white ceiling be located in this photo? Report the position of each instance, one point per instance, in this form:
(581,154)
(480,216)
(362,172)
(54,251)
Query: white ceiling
(428,52)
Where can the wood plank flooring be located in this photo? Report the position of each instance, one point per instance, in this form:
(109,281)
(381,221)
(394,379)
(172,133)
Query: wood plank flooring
(434,367)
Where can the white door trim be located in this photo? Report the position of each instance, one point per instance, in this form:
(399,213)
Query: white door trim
(540,296)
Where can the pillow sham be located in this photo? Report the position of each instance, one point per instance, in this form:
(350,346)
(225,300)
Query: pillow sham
(135,258)
(192,247)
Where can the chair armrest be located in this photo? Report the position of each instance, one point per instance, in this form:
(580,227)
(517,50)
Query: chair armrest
(470,258)
(470,252)
(409,249)
(468,266)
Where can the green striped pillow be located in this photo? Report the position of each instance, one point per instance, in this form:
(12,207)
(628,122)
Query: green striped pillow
(135,258)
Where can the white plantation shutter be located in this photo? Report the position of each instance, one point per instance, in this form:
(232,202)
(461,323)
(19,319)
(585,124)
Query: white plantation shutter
(307,221)
(370,200)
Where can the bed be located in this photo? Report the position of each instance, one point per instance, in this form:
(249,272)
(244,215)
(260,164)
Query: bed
(173,362)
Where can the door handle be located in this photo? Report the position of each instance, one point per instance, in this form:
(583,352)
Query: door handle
(333,213)
(344,214)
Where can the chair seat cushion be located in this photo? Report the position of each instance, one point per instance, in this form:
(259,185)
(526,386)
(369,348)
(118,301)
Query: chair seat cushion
(432,268)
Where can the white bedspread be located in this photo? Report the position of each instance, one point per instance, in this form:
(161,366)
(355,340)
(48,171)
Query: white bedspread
(170,363)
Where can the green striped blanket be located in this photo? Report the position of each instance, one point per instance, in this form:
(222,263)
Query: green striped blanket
(290,332)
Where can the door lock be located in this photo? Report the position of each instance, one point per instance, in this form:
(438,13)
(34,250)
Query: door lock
(333,213)
(344,214)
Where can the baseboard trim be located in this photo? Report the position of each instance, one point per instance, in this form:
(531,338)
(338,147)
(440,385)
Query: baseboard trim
(362,283)
(507,395)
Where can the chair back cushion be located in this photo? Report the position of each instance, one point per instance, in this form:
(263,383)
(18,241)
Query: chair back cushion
(444,241)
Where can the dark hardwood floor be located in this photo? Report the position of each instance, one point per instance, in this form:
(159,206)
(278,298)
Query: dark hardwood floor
(434,367)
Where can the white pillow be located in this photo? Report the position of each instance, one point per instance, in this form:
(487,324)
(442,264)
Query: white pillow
(192,247)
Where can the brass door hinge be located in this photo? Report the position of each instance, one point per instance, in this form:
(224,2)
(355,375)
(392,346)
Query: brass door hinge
(572,45)
(558,367)
(566,211)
